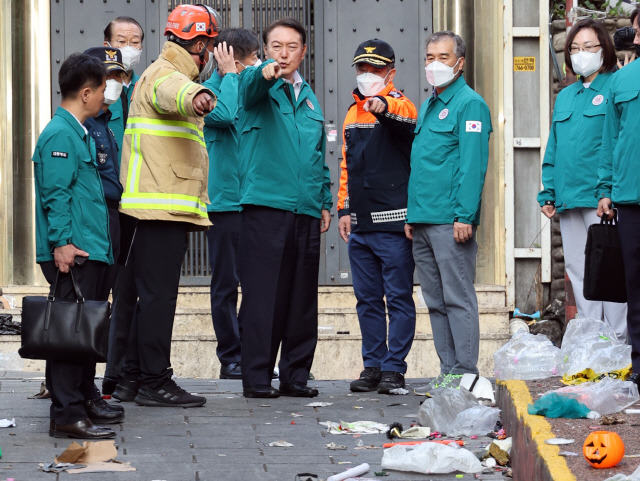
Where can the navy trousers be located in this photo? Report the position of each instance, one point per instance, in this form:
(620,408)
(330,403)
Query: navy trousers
(382,268)
(279,262)
(222,239)
(629,232)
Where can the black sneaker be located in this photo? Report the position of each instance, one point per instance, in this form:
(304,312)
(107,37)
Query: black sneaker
(390,380)
(368,381)
(126,391)
(169,395)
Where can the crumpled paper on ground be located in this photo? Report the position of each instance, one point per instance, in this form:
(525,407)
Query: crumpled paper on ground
(280,444)
(416,432)
(58,467)
(98,456)
(7,423)
(357,427)
(430,458)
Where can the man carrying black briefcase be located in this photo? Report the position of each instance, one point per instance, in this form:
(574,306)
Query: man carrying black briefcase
(72,233)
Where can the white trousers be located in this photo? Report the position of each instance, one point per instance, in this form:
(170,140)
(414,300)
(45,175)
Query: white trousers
(574,224)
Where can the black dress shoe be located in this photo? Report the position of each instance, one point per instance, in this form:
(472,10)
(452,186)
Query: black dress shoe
(109,385)
(261,392)
(100,412)
(231,371)
(83,429)
(126,391)
(297,389)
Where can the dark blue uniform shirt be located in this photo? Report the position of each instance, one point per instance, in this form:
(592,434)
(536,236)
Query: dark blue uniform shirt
(107,155)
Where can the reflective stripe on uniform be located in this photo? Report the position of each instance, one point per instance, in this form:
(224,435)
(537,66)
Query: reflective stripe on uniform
(154,99)
(135,163)
(165,128)
(162,201)
(180,98)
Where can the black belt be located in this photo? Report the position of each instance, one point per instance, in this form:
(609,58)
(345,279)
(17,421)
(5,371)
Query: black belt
(112,204)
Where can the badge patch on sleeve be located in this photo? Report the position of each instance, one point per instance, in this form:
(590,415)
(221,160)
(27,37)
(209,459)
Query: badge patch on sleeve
(64,155)
(474,126)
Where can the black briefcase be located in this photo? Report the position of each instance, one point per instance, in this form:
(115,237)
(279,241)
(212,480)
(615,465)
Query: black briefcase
(603,264)
(60,330)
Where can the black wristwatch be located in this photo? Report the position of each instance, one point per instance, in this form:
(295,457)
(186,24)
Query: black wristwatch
(549,202)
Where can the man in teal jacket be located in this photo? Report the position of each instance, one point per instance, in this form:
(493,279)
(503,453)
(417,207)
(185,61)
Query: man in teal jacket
(223,236)
(619,186)
(72,232)
(448,163)
(285,196)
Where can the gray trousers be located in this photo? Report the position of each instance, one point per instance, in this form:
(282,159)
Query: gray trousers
(446,271)
(574,224)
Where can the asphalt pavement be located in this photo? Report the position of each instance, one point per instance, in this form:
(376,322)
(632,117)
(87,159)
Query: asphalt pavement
(227,439)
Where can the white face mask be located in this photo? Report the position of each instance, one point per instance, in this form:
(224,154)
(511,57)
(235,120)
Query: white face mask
(112,91)
(208,68)
(586,63)
(257,63)
(130,57)
(370,84)
(440,74)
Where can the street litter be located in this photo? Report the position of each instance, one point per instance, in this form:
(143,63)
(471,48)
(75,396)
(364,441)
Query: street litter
(430,458)
(527,356)
(350,473)
(297,415)
(632,411)
(7,423)
(91,457)
(553,405)
(280,444)
(306,477)
(504,444)
(457,413)
(43,394)
(606,397)
(535,315)
(479,386)
(567,453)
(635,476)
(591,344)
(319,404)
(357,427)
(559,441)
(609,420)
(459,442)
(415,432)
(335,447)
(399,391)
(500,455)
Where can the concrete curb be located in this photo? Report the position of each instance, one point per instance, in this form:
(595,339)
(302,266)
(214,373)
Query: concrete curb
(536,459)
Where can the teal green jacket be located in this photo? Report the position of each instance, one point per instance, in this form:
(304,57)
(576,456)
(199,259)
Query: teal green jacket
(449,157)
(70,207)
(619,168)
(282,147)
(221,137)
(117,122)
(570,166)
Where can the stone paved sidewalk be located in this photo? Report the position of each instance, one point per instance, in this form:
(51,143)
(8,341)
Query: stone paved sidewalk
(225,440)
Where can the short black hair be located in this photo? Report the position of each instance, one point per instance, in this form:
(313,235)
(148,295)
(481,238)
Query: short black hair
(244,41)
(609,59)
(634,15)
(79,71)
(108,31)
(285,22)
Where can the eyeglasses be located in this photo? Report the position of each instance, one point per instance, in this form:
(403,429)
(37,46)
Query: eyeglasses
(122,43)
(584,48)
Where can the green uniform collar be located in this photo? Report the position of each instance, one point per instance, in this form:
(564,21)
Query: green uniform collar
(451,90)
(71,120)
(599,81)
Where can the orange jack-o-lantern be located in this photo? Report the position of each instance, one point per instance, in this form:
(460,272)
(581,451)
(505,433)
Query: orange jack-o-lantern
(603,449)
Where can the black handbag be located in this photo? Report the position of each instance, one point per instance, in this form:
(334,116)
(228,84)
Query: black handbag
(603,264)
(60,330)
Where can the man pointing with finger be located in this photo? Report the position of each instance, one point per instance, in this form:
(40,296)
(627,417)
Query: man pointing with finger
(448,164)
(285,199)
(372,206)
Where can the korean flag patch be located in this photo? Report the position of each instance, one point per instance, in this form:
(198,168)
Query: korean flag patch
(201,27)
(474,126)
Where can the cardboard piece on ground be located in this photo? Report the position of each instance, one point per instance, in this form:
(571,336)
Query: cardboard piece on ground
(89,452)
(103,466)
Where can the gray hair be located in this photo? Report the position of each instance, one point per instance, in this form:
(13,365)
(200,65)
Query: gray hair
(460,49)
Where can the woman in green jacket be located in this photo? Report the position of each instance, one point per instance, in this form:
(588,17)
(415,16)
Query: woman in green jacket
(569,169)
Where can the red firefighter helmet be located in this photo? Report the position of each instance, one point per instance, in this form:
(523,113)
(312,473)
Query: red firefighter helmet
(187,22)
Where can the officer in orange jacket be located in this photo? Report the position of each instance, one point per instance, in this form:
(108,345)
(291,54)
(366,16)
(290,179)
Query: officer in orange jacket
(372,207)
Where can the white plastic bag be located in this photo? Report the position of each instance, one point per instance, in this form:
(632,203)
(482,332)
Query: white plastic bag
(590,343)
(527,356)
(478,420)
(11,361)
(430,458)
(606,397)
(440,411)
